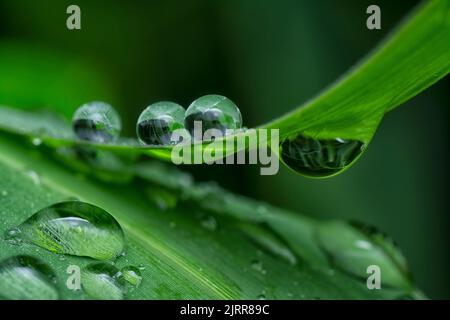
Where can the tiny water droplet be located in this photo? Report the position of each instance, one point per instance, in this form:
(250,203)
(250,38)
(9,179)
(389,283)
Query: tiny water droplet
(141,267)
(34,177)
(262,297)
(74,228)
(158,121)
(215,112)
(209,223)
(36,141)
(319,158)
(102,281)
(97,122)
(132,275)
(4,193)
(26,278)
(257,265)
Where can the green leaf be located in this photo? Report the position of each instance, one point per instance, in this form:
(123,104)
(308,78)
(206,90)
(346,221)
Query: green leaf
(414,57)
(203,248)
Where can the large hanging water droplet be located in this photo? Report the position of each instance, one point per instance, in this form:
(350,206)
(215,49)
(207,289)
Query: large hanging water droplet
(215,112)
(132,275)
(353,251)
(158,121)
(74,228)
(102,281)
(319,158)
(26,278)
(97,122)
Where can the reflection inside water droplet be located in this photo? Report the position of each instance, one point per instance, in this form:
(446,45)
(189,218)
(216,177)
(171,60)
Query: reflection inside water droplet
(319,158)
(72,227)
(132,275)
(97,122)
(158,121)
(214,112)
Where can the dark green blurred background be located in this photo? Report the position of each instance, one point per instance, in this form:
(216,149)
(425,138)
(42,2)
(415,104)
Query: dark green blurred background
(267,56)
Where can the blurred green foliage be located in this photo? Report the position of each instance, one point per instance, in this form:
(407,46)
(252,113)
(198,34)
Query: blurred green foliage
(268,56)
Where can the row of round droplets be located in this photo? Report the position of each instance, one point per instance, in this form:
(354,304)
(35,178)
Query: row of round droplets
(99,122)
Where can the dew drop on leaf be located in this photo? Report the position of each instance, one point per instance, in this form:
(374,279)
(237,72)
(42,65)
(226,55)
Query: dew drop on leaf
(209,223)
(26,278)
(74,228)
(353,249)
(102,281)
(97,122)
(214,112)
(132,275)
(158,121)
(319,158)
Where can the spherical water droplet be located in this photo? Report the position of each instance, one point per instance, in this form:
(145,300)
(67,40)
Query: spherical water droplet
(319,158)
(26,278)
(214,112)
(132,275)
(74,228)
(102,281)
(158,121)
(97,122)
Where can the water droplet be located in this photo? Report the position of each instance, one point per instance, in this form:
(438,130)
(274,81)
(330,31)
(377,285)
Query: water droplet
(97,122)
(162,198)
(102,281)
(36,141)
(215,112)
(72,227)
(132,275)
(319,158)
(352,250)
(158,121)
(141,267)
(209,223)
(34,177)
(257,265)
(262,297)
(4,193)
(26,278)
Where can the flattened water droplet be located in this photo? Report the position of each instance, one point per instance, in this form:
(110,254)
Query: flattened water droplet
(74,228)
(26,278)
(215,112)
(102,281)
(132,275)
(97,122)
(158,121)
(353,251)
(319,158)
